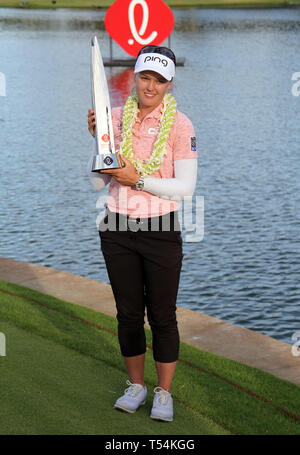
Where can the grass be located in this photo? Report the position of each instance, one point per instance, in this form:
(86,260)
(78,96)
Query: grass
(63,372)
(172,3)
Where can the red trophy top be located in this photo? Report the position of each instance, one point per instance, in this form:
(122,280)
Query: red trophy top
(136,23)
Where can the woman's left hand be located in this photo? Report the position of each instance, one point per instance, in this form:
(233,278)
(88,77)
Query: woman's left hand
(126,175)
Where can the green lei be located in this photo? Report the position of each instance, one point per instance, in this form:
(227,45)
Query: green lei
(130,113)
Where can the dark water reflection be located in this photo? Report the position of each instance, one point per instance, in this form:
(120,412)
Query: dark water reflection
(187,21)
(235,86)
(40,24)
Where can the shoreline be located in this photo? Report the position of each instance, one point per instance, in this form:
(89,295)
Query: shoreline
(188,4)
(197,329)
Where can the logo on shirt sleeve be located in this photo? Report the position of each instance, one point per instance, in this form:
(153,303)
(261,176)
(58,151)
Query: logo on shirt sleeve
(193,144)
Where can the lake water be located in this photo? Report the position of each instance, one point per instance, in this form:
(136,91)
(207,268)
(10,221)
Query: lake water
(236,86)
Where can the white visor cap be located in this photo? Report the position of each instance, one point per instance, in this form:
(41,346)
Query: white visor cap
(156,62)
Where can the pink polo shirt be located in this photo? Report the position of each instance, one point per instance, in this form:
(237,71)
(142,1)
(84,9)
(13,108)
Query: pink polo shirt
(181,144)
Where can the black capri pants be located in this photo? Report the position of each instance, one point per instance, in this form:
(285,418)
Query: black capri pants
(143,267)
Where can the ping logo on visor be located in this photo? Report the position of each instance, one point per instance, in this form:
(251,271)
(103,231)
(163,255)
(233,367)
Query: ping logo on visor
(154,59)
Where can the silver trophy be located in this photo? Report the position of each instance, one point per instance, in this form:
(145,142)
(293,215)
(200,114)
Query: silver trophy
(106,157)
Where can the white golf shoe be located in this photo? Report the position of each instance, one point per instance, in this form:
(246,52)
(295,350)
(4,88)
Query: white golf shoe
(135,395)
(162,405)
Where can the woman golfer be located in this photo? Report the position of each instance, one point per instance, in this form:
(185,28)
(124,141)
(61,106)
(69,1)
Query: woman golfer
(140,234)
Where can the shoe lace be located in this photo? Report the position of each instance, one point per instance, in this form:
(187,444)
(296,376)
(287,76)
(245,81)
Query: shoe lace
(162,395)
(133,390)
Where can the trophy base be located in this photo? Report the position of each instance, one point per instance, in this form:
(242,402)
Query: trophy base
(107,161)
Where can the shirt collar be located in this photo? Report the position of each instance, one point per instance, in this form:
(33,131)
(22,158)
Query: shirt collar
(156,113)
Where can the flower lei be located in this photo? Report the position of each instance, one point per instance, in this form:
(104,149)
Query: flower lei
(130,113)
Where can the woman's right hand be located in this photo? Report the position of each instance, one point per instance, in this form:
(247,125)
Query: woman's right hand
(91,122)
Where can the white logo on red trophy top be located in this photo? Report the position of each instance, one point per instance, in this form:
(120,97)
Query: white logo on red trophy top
(105,138)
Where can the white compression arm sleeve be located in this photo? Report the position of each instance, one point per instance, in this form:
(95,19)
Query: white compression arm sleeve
(98,180)
(183,185)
